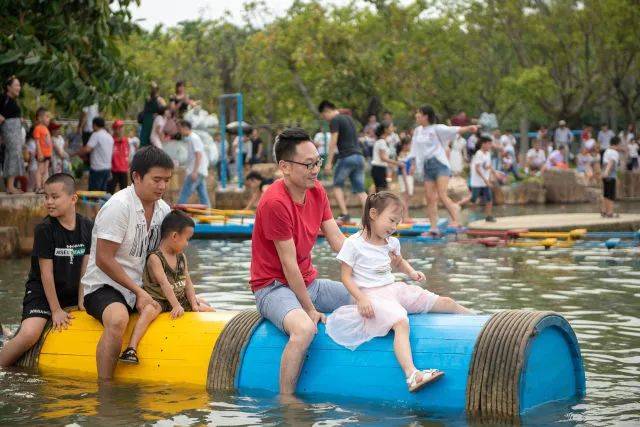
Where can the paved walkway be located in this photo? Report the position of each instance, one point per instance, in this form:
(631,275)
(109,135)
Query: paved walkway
(562,222)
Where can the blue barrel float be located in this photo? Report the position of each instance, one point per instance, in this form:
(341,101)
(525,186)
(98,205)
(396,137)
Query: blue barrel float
(496,367)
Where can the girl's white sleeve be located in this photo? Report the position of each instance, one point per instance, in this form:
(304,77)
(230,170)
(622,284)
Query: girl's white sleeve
(348,253)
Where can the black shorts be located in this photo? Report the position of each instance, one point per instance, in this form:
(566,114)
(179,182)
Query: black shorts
(35,304)
(609,188)
(379,175)
(96,302)
(484,193)
(45,159)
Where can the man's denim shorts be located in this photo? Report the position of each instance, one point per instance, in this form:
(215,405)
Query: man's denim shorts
(353,167)
(276,300)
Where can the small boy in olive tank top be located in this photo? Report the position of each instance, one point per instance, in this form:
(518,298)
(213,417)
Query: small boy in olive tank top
(166,279)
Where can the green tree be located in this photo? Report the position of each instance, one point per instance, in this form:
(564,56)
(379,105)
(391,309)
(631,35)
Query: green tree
(69,50)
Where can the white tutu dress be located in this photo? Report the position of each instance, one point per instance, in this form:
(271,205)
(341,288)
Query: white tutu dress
(391,301)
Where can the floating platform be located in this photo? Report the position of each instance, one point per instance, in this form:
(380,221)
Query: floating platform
(496,367)
(231,228)
(561,222)
(212,227)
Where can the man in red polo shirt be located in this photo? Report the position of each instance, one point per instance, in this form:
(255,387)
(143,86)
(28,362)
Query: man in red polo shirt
(291,213)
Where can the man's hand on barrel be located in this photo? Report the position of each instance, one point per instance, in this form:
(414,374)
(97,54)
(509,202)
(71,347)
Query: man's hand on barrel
(142,299)
(60,319)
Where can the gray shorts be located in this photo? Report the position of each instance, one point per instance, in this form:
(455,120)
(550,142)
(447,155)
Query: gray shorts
(275,301)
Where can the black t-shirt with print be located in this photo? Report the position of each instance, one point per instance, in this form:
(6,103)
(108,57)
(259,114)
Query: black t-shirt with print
(347,135)
(66,248)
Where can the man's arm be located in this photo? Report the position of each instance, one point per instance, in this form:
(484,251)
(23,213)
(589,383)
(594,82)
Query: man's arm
(196,165)
(83,269)
(333,234)
(333,144)
(287,253)
(106,261)
(608,168)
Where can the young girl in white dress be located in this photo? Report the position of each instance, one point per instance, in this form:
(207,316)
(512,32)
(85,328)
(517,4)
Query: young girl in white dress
(380,302)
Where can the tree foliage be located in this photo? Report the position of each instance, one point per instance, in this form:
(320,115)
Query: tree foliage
(537,59)
(69,50)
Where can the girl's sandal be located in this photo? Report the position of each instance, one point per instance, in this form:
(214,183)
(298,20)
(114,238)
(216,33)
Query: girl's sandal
(428,375)
(129,355)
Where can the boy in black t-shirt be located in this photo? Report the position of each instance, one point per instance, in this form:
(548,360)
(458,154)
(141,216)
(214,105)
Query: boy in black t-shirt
(61,246)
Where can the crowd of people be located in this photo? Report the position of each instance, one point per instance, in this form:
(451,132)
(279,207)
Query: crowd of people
(484,155)
(428,151)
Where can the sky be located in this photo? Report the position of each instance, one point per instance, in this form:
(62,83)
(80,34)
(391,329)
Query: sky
(170,12)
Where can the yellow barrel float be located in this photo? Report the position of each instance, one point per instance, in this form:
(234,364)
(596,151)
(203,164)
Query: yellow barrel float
(496,367)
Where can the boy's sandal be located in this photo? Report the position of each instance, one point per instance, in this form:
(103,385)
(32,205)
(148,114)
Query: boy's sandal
(613,215)
(428,375)
(129,355)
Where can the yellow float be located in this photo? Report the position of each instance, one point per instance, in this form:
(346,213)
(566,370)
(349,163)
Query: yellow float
(91,194)
(173,351)
(546,243)
(576,234)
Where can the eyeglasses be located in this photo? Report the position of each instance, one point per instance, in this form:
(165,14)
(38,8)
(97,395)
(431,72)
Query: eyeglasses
(309,166)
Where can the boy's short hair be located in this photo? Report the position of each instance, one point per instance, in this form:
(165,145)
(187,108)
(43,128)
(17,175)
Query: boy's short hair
(615,140)
(175,221)
(254,175)
(149,157)
(185,124)
(99,122)
(67,181)
(287,141)
(40,111)
(482,140)
(326,105)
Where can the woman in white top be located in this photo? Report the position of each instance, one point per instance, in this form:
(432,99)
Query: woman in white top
(157,131)
(428,150)
(382,156)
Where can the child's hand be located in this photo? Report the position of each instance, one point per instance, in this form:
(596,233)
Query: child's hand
(365,308)
(177,312)
(396,259)
(81,304)
(195,306)
(61,319)
(418,276)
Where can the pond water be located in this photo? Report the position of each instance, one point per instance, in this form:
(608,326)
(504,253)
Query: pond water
(597,290)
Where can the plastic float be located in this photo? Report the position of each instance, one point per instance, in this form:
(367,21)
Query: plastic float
(219,223)
(234,227)
(93,198)
(417,228)
(496,367)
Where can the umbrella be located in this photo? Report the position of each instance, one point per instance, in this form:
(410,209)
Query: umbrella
(233,127)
